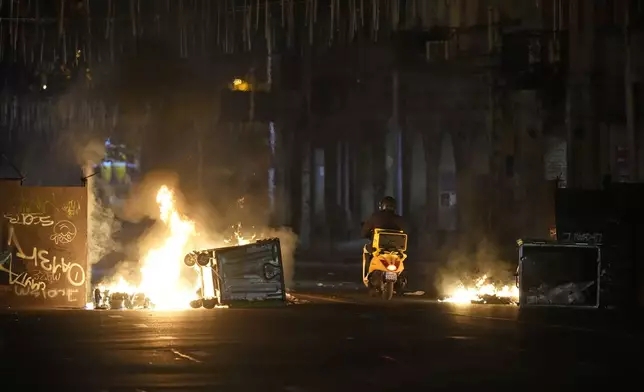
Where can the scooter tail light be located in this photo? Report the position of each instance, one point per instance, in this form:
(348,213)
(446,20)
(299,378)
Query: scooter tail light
(390,266)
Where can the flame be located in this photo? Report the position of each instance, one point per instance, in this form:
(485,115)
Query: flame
(237,237)
(161,279)
(465,295)
(161,272)
(120,286)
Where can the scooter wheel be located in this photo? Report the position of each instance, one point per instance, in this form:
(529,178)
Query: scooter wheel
(388,291)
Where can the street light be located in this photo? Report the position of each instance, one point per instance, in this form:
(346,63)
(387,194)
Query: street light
(240,85)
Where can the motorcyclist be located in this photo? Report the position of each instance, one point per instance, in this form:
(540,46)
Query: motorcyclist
(384,218)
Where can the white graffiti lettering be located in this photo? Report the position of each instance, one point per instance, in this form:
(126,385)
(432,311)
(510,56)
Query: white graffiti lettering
(582,237)
(22,279)
(26,281)
(25,291)
(47,277)
(73,271)
(64,232)
(71,208)
(37,205)
(27,219)
(69,294)
(4,257)
(25,285)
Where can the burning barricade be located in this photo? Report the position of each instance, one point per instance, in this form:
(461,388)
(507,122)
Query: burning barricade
(161,284)
(242,269)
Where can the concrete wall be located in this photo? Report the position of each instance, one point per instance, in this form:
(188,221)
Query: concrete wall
(43,253)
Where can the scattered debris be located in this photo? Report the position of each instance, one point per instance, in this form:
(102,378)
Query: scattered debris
(292,300)
(415,293)
(493,300)
(565,294)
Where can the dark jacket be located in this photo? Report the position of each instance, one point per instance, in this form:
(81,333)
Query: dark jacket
(382,220)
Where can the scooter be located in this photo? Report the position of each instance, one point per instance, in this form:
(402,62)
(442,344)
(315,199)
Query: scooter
(382,268)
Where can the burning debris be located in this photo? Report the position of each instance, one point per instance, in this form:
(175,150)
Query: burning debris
(292,300)
(105,299)
(161,282)
(162,285)
(238,238)
(493,299)
(483,291)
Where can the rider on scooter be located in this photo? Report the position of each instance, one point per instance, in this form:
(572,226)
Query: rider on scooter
(384,218)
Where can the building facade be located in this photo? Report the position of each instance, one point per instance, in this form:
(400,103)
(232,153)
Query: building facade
(469,112)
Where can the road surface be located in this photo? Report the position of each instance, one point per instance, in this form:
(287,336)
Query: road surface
(339,343)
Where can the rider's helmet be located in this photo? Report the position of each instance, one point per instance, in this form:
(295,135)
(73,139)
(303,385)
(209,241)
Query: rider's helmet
(387,203)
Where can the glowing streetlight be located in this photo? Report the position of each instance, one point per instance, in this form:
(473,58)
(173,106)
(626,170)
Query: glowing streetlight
(240,85)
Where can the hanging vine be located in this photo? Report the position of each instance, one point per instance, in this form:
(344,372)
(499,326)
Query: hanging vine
(201,27)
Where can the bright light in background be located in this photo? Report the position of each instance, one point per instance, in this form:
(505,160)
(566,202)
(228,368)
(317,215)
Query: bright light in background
(44,87)
(240,85)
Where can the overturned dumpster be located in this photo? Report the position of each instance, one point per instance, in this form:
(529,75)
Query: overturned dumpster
(559,274)
(240,275)
(611,218)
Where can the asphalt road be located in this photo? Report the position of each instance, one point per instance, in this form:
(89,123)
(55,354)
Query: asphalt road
(347,342)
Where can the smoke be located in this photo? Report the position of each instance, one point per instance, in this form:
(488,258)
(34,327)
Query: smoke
(288,243)
(249,216)
(463,265)
(141,202)
(165,106)
(250,211)
(208,238)
(138,211)
(212,230)
(101,222)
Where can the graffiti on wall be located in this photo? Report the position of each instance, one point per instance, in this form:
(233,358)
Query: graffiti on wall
(590,238)
(43,256)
